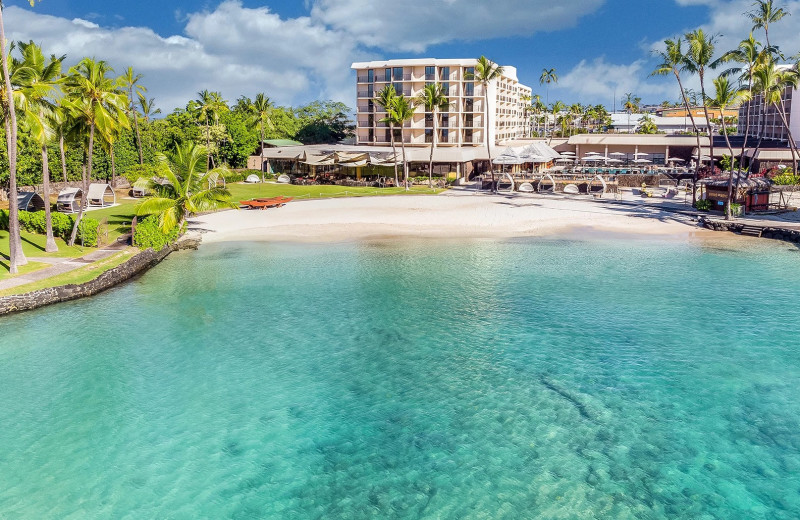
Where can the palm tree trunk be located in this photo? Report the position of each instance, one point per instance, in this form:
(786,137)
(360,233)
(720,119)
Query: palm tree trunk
(760,139)
(113,168)
(728,212)
(433,145)
(262,151)
(16,256)
(405,164)
(208,144)
(394,150)
(486,130)
(696,175)
(85,187)
(708,125)
(136,126)
(746,128)
(792,143)
(50,244)
(63,156)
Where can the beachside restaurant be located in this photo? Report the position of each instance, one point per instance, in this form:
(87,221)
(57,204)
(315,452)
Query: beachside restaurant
(754,194)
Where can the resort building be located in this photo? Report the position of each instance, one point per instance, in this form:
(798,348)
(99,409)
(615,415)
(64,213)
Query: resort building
(713,113)
(630,123)
(766,121)
(462,124)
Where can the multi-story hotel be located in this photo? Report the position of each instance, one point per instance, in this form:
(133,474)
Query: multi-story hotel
(766,121)
(462,124)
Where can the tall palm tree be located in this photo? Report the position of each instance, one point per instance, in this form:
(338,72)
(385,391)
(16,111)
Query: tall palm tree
(631,105)
(386,98)
(764,14)
(548,76)
(555,109)
(771,83)
(726,96)
(433,99)
(699,58)
(486,72)
(262,114)
(672,62)
(189,188)
(40,83)
(131,81)
(109,135)
(207,107)
(539,108)
(60,123)
(402,111)
(97,101)
(16,257)
(576,112)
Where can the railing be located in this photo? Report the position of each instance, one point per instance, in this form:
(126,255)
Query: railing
(365,108)
(365,94)
(363,79)
(405,77)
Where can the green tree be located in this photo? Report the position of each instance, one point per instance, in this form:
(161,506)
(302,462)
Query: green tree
(386,99)
(262,115)
(322,122)
(98,102)
(147,106)
(647,125)
(189,188)
(402,111)
(698,59)
(726,96)
(548,76)
(132,83)
(486,72)
(433,99)
(207,108)
(764,14)
(556,109)
(41,78)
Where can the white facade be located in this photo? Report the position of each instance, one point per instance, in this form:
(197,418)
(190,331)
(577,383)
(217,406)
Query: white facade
(623,122)
(463,124)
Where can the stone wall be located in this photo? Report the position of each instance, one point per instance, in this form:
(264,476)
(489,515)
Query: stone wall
(121,273)
(775,233)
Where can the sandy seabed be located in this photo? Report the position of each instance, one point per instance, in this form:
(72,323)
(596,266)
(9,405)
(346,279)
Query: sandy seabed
(454,214)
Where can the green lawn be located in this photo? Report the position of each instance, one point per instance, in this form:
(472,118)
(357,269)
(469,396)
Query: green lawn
(77,276)
(33,246)
(116,219)
(241,191)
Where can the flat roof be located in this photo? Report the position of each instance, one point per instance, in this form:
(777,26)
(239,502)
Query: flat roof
(637,139)
(509,71)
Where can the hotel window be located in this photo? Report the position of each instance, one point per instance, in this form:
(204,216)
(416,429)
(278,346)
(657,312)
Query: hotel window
(398,88)
(444,73)
(428,135)
(469,89)
(469,73)
(445,121)
(371,120)
(370,106)
(387,75)
(370,76)
(468,120)
(371,135)
(370,90)
(446,88)
(445,135)
(398,134)
(430,73)
(397,73)
(469,105)
(387,136)
(468,136)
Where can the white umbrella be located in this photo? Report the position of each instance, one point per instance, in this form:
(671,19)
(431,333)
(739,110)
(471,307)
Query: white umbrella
(640,153)
(567,153)
(592,153)
(614,160)
(589,158)
(565,159)
(642,161)
(673,159)
(618,154)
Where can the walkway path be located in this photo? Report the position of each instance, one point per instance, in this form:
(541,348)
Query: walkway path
(61,265)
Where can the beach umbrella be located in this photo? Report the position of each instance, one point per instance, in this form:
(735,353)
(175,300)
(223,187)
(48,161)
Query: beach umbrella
(592,153)
(617,154)
(590,158)
(567,153)
(614,160)
(674,159)
(565,159)
(640,154)
(642,161)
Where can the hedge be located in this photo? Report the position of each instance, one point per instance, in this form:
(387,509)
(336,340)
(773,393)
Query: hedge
(148,234)
(34,222)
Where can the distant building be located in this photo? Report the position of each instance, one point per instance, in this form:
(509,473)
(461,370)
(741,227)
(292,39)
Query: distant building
(629,123)
(713,113)
(462,124)
(766,122)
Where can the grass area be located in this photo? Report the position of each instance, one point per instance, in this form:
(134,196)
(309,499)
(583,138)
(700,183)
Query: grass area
(118,218)
(77,276)
(33,246)
(241,191)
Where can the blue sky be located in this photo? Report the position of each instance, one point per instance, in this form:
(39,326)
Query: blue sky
(300,51)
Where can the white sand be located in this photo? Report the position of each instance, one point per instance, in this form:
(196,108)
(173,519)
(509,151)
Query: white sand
(455,214)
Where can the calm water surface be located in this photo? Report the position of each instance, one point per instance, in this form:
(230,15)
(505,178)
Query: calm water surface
(547,378)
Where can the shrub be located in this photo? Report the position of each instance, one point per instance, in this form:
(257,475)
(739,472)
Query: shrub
(703,205)
(147,171)
(148,234)
(34,222)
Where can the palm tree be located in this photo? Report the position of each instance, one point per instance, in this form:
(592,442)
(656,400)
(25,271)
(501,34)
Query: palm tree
(647,125)
(725,96)
(385,99)
(576,112)
(631,105)
(771,83)
(672,62)
(556,109)
(765,14)
(699,57)
(40,83)
(97,101)
(539,108)
(433,99)
(402,111)
(207,108)
(548,76)
(16,257)
(110,134)
(60,123)
(131,82)
(147,106)
(262,112)
(486,71)
(189,188)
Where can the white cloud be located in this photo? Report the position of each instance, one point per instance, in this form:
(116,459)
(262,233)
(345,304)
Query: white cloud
(414,25)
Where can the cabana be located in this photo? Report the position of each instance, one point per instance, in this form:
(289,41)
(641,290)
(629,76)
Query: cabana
(99,195)
(139,188)
(30,201)
(252,179)
(753,193)
(69,200)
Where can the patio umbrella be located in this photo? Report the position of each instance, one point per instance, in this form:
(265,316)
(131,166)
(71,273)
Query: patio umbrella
(567,153)
(589,158)
(642,161)
(614,160)
(617,154)
(592,153)
(640,153)
(565,159)
(678,159)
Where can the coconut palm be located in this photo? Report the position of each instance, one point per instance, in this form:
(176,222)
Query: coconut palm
(486,72)
(433,99)
(41,78)
(647,125)
(188,188)
(97,101)
(262,114)
(726,96)
(771,83)
(148,107)
(698,59)
(764,14)
(672,62)
(15,255)
(60,123)
(402,111)
(576,113)
(631,105)
(207,108)
(555,109)
(109,135)
(548,76)
(539,108)
(386,98)
(131,81)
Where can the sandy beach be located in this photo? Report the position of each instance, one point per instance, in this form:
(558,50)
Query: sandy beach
(454,214)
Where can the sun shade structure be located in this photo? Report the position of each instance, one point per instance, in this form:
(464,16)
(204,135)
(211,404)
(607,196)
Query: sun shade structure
(101,195)
(30,201)
(284,179)
(69,200)
(252,178)
(139,188)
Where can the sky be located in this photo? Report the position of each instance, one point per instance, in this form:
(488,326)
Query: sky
(300,51)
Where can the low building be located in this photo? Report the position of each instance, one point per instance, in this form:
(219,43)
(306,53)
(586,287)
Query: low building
(630,123)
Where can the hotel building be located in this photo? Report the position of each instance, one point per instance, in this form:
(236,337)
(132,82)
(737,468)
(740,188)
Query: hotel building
(766,122)
(462,124)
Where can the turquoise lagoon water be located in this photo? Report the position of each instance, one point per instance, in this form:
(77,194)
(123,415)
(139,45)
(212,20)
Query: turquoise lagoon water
(549,378)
